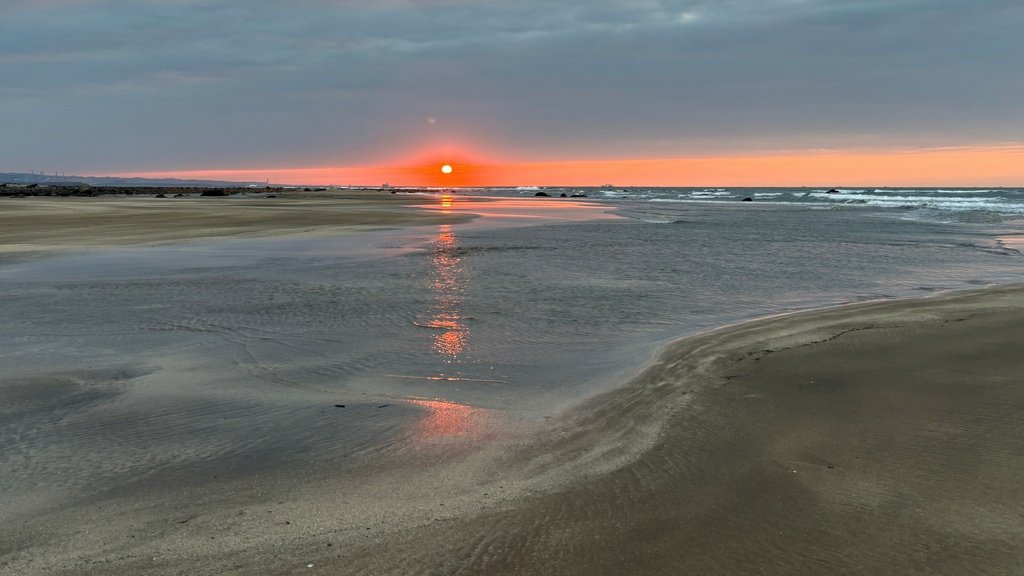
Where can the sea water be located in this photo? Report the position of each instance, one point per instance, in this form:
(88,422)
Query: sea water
(941,204)
(122,366)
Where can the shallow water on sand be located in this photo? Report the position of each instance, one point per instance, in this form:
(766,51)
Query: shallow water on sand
(124,367)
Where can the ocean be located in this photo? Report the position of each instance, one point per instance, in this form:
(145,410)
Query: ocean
(242,355)
(937,204)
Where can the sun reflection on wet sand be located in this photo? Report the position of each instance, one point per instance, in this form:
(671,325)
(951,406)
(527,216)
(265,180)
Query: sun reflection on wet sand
(515,211)
(1011,241)
(447,202)
(448,286)
(444,418)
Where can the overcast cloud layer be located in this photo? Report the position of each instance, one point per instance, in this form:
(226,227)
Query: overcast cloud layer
(123,85)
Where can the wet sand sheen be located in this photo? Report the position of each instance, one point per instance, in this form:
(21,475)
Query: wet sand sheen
(877,439)
(883,439)
(46,224)
(870,439)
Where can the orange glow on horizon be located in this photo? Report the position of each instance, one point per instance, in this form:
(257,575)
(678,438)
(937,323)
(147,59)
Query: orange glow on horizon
(999,165)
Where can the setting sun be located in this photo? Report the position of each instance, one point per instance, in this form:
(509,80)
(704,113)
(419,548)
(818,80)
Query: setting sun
(447,169)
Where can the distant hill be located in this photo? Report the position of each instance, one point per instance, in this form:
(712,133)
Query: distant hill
(55,180)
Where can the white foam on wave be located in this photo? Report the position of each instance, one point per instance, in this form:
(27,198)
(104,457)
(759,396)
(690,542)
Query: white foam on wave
(937,190)
(937,202)
(1003,202)
(677,199)
(901,198)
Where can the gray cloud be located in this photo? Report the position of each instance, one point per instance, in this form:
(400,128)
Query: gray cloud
(124,85)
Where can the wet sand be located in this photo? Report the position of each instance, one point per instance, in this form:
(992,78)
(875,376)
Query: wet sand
(40,224)
(870,439)
(879,438)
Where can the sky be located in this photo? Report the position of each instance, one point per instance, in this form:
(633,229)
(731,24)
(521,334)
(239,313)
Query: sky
(525,92)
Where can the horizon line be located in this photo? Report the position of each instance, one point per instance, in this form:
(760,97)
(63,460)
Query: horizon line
(999,165)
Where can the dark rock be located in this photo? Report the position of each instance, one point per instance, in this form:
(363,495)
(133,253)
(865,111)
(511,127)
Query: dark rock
(563,195)
(545,194)
(339,405)
(179,195)
(271,195)
(214,192)
(832,191)
(160,196)
(747,199)
(580,195)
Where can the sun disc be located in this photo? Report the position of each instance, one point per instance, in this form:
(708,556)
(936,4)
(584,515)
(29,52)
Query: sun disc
(447,169)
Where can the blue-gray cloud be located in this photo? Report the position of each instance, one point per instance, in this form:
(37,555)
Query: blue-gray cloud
(128,84)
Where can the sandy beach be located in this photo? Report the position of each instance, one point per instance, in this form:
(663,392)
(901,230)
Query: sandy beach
(472,287)
(39,224)
(870,439)
(879,438)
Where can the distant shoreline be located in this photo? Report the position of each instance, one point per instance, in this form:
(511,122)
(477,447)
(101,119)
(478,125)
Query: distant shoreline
(58,219)
(87,191)
(64,190)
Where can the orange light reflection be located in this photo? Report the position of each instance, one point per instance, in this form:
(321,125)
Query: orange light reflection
(447,285)
(521,209)
(447,201)
(445,418)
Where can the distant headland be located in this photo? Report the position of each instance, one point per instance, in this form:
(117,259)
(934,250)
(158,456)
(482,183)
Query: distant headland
(41,179)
